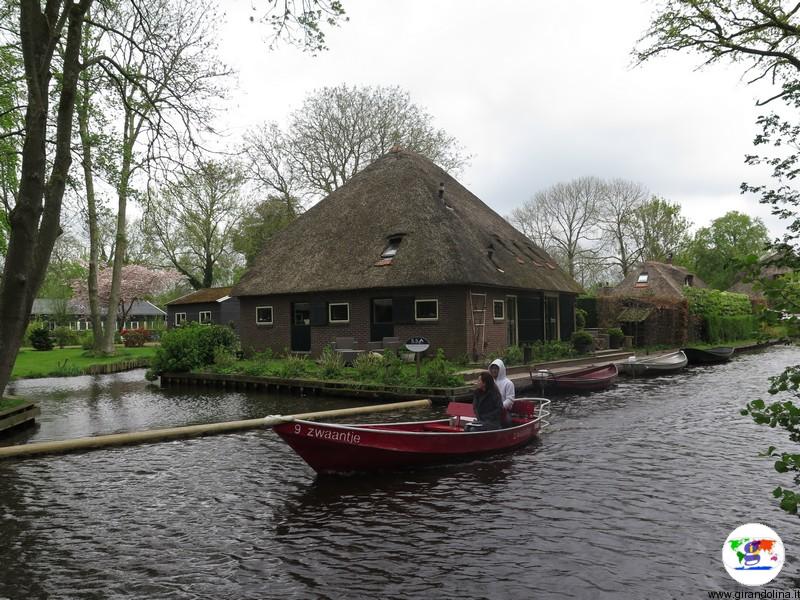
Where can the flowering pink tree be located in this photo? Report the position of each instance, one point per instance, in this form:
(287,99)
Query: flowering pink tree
(138,282)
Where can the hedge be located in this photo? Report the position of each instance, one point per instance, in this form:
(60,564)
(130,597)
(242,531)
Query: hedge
(706,302)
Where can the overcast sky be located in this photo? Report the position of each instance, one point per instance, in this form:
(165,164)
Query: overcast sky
(537,92)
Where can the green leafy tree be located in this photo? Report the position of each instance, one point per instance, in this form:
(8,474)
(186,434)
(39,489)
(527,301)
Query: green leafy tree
(762,37)
(260,224)
(49,38)
(660,229)
(716,252)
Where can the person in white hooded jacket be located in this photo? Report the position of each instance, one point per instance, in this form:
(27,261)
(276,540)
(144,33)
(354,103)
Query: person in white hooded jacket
(504,385)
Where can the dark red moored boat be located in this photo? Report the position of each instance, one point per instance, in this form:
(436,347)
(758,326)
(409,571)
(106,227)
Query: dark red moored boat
(330,448)
(587,379)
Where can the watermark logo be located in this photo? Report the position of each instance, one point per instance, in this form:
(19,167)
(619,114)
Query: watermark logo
(753,554)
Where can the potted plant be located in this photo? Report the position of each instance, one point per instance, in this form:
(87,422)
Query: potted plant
(615,337)
(582,341)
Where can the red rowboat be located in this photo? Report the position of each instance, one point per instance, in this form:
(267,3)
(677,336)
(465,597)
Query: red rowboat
(330,448)
(586,379)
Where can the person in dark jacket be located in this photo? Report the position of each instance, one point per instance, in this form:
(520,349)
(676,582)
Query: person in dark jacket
(486,402)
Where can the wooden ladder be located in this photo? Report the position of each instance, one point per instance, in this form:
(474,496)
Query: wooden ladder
(477,305)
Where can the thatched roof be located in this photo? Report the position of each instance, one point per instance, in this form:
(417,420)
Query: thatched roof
(202,296)
(663,280)
(771,268)
(454,240)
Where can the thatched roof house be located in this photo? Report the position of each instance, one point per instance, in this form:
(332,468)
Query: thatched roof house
(400,233)
(772,267)
(653,278)
(650,305)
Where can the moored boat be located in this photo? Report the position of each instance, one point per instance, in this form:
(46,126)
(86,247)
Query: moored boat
(654,365)
(587,379)
(331,448)
(708,356)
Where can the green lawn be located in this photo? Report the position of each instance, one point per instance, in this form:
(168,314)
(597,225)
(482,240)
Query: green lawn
(6,403)
(68,362)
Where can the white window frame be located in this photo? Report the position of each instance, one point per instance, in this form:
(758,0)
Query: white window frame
(133,324)
(271,316)
(181,321)
(330,313)
(643,278)
(416,304)
(502,304)
(200,317)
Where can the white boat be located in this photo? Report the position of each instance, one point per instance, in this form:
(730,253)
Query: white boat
(653,365)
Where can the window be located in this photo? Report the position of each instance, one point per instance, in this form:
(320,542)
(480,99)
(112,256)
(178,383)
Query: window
(134,325)
(689,281)
(205,316)
(499,310)
(339,313)
(180,319)
(392,248)
(642,281)
(426,310)
(263,315)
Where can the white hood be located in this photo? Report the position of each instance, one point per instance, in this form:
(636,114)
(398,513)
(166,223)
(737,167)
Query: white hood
(502,368)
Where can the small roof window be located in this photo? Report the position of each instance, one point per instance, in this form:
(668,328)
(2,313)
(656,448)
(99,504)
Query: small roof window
(392,248)
(642,278)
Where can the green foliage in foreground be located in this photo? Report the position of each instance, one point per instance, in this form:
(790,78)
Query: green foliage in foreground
(389,369)
(69,361)
(706,302)
(191,346)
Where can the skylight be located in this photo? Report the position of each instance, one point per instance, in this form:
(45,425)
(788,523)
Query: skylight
(392,248)
(642,278)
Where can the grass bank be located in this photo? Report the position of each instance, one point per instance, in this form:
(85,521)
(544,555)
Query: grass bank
(7,403)
(69,362)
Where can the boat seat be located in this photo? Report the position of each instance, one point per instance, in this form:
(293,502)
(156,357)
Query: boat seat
(523,410)
(459,410)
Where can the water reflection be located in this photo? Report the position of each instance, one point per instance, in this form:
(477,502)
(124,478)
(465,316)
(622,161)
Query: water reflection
(629,495)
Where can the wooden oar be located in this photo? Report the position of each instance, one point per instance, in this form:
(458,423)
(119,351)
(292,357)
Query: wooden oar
(153,435)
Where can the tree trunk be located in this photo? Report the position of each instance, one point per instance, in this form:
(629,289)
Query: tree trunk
(35,220)
(91,209)
(120,245)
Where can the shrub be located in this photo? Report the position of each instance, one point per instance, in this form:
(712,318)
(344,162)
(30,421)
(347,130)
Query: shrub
(582,341)
(551,350)
(331,363)
(726,329)
(135,338)
(223,357)
(293,367)
(615,337)
(580,318)
(439,372)
(714,303)
(86,340)
(40,339)
(369,367)
(189,347)
(393,371)
(64,336)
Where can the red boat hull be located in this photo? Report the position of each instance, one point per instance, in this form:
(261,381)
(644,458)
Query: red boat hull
(590,379)
(330,448)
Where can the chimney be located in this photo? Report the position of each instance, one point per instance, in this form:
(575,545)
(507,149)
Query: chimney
(441,191)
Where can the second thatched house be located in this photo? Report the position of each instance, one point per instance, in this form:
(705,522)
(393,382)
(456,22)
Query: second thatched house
(650,305)
(403,250)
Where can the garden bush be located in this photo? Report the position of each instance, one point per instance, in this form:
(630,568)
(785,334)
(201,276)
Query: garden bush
(708,302)
(64,336)
(189,347)
(294,366)
(582,341)
(86,340)
(40,339)
(615,337)
(331,363)
(551,350)
(730,328)
(439,372)
(369,367)
(135,338)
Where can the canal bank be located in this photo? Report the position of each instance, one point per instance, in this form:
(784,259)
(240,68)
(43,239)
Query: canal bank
(621,477)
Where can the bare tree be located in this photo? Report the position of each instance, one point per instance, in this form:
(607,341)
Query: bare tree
(339,131)
(564,217)
(617,221)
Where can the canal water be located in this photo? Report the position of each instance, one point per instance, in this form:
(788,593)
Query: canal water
(629,494)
